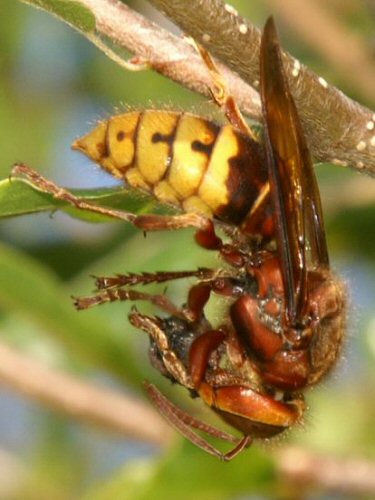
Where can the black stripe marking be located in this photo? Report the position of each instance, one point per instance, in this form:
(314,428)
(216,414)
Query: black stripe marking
(168,139)
(135,139)
(216,130)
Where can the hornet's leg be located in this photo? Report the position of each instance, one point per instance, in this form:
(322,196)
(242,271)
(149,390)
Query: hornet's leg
(184,423)
(145,222)
(222,96)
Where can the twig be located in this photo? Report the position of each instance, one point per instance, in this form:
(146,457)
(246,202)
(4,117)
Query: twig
(346,475)
(122,414)
(81,400)
(338,129)
(164,52)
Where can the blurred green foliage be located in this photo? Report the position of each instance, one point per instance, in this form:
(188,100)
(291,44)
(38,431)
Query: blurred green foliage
(52,84)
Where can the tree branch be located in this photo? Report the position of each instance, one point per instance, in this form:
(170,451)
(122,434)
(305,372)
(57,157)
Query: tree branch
(304,469)
(81,400)
(169,55)
(338,129)
(122,414)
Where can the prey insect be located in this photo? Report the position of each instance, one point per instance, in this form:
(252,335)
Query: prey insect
(285,317)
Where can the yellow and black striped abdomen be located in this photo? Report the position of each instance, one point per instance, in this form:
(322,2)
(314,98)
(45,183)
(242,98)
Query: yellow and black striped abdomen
(182,159)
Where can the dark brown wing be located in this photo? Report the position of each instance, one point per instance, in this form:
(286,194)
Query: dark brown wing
(294,190)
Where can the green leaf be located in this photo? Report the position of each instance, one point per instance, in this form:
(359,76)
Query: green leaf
(72,12)
(19,197)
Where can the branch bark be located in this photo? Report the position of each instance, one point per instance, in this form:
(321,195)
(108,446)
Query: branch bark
(168,54)
(338,129)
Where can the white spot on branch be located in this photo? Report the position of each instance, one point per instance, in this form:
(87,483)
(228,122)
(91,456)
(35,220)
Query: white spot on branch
(361,146)
(230,9)
(243,28)
(296,68)
(322,82)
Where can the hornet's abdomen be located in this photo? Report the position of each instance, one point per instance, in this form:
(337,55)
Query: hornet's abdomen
(183,160)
